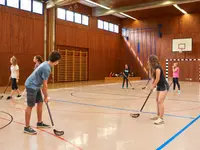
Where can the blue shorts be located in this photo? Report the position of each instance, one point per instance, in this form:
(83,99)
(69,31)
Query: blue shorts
(33,96)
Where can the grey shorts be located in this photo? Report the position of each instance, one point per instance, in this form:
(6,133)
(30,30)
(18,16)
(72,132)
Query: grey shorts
(33,96)
(165,87)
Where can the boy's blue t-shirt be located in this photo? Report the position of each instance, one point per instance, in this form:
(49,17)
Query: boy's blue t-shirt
(35,80)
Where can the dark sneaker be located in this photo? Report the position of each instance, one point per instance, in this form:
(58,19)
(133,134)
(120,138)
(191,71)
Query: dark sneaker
(9,97)
(29,130)
(42,125)
(18,96)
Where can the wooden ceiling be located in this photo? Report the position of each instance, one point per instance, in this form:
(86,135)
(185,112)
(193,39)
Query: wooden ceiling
(165,11)
(193,7)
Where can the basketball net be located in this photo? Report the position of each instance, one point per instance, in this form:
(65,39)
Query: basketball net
(180,50)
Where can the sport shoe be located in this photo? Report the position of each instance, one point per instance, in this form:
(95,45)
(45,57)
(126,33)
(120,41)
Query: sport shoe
(18,96)
(154,117)
(29,130)
(179,91)
(159,121)
(42,125)
(9,97)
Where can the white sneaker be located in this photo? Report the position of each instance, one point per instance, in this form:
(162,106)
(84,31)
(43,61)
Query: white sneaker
(159,121)
(155,117)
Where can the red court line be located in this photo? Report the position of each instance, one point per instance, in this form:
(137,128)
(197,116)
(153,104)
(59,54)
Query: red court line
(44,130)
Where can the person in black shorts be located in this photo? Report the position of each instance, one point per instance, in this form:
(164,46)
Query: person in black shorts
(125,76)
(162,85)
(14,77)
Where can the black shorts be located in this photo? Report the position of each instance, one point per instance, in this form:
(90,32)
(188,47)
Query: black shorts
(14,83)
(164,87)
(33,96)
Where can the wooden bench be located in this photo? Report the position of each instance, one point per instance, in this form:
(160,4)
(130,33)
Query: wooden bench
(119,79)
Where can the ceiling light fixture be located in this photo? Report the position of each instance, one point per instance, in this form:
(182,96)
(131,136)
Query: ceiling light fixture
(128,16)
(102,6)
(105,7)
(183,11)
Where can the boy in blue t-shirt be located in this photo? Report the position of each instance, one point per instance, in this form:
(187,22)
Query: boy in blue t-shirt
(33,85)
(125,76)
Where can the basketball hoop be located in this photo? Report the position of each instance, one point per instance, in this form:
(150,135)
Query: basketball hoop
(182,45)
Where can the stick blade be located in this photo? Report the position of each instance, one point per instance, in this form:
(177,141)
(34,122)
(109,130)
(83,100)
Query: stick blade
(133,88)
(58,133)
(135,115)
(143,88)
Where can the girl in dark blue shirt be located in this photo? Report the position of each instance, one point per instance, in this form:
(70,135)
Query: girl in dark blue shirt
(125,76)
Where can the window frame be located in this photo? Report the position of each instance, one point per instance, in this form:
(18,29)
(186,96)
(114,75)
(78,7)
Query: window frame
(67,17)
(104,25)
(117,28)
(88,21)
(33,7)
(125,31)
(75,17)
(57,14)
(109,27)
(6,4)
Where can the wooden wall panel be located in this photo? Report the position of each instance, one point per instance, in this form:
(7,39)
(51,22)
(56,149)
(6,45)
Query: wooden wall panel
(60,35)
(5,32)
(183,26)
(22,35)
(4,66)
(103,46)
(190,23)
(38,36)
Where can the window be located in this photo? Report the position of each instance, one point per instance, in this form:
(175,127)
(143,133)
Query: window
(108,26)
(70,16)
(61,13)
(124,32)
(37,7)
(25,5)
(100,24)
(85,20)
(28,5)
(111,27)
(78,18)
(13,3)
(105,25)
(2,2)
(116,28)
